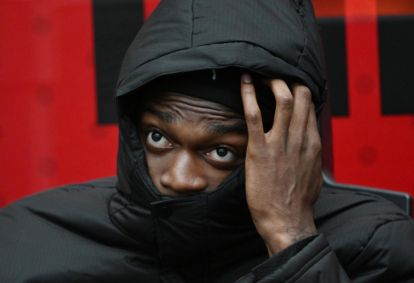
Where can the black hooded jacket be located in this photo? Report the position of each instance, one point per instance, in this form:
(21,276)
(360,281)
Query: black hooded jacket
(122,230)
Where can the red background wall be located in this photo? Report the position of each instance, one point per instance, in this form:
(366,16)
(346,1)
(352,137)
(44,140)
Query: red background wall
(49,132)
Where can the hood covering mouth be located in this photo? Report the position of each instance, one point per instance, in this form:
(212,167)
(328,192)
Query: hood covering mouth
(270,39)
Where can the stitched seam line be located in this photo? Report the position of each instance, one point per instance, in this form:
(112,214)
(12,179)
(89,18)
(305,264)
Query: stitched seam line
(192,24)
(352,266)
(301,13)
(119,226)
(306,267)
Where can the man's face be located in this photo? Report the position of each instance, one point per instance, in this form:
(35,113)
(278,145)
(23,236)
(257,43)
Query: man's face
(191,144)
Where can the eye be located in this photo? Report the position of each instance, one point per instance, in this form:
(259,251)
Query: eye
(221,154)
(157,140)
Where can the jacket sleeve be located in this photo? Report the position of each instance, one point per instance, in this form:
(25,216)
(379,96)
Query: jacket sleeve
(386,257)
(314,262)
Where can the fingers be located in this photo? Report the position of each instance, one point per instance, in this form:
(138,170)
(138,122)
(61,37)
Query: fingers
(313,148)
(283,113)
(301,110)
(294,127)
(313,140)
(251,109)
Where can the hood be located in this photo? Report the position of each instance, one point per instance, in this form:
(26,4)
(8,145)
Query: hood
(270,38)
(273,38)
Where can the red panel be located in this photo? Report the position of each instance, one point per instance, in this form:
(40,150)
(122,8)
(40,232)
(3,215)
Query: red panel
(370,149)
(329,8)
(336,8)
(48,129)
(395,7)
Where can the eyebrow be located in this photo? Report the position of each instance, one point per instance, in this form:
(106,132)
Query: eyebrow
(166,117)
(238,127)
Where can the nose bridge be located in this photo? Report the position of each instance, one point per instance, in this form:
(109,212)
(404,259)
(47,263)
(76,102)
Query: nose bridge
(183,173)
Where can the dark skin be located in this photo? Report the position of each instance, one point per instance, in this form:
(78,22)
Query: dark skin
(192,145)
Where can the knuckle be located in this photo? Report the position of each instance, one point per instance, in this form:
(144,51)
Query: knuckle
(282,93)
(255,152)
(303,93)
(305,89)
(302,89)
(285,100)
(249,89)
(315,147)
(306,93)
(252,117)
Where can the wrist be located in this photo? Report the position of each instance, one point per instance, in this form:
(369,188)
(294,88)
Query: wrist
(278,238)
(278,243)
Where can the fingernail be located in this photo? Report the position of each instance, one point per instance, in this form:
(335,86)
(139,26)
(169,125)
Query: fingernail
(246,78)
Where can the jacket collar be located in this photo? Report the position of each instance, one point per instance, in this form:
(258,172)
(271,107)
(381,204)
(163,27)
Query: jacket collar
(205,232)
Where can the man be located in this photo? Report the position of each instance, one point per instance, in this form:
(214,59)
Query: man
(218,168)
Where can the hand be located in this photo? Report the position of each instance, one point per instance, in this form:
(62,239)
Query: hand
(283,166)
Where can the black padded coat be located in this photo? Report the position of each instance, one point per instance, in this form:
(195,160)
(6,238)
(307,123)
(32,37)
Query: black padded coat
(121,230)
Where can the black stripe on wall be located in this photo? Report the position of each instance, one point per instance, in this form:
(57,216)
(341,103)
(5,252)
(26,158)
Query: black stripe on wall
(396,43)
(333,39)
(115,25)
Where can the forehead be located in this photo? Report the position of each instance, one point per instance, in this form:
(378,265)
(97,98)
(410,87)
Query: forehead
(174,106)
(181,110)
